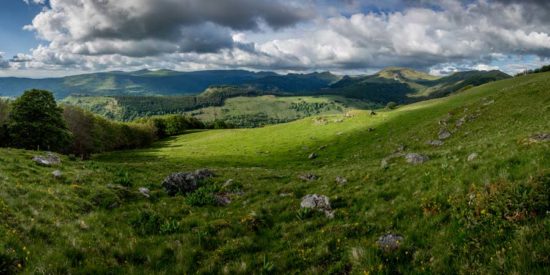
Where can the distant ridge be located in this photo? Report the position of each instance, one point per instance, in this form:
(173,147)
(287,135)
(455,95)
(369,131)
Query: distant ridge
(390,84)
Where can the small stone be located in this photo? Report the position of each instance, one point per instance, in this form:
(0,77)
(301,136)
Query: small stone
(144,191)
(312,156)
(341,180)
(435,142)
(444,134)
(57,174)
(472,156)
(389,242)
(414,158)
(307,177)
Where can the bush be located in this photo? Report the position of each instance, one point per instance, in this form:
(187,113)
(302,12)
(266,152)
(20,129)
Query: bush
(202,196)
(36,122)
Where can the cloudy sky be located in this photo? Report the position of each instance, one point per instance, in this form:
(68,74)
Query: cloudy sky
(40,38)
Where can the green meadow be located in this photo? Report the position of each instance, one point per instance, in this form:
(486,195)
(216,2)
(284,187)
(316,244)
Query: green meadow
(488,214)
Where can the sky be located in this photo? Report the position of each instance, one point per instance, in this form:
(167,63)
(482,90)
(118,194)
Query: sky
(45,38)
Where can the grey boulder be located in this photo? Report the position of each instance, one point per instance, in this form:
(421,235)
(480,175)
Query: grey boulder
(319,203)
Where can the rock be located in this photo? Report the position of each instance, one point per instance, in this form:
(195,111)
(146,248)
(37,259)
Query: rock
(57,174)
(389,242)
(444,134)
(285,194)
(472,156)
(317,202)
(341,180)
(414,158)
(307,177)
(222,199)
(48,160)
(312,156)
(185,182)
(540,137)
(144,191)
(435,142)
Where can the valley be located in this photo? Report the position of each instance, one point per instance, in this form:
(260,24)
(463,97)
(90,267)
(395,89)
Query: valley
(476,202)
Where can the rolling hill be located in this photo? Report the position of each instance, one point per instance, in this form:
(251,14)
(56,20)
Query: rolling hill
(165,82)
(476,203)
(404,85)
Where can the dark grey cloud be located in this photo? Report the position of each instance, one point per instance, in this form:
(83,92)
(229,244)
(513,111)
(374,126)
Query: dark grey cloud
(131,28)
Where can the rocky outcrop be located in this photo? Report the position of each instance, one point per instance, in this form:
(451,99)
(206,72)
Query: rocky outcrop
(185,182)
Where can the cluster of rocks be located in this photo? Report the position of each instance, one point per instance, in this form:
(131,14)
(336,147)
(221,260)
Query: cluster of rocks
(50,159)
(185,182)
(318,202)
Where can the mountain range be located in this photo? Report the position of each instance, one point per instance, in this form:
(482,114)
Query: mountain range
(391,84)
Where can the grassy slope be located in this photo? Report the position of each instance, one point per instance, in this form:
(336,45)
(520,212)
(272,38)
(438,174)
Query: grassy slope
(86,225)
(279,108)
